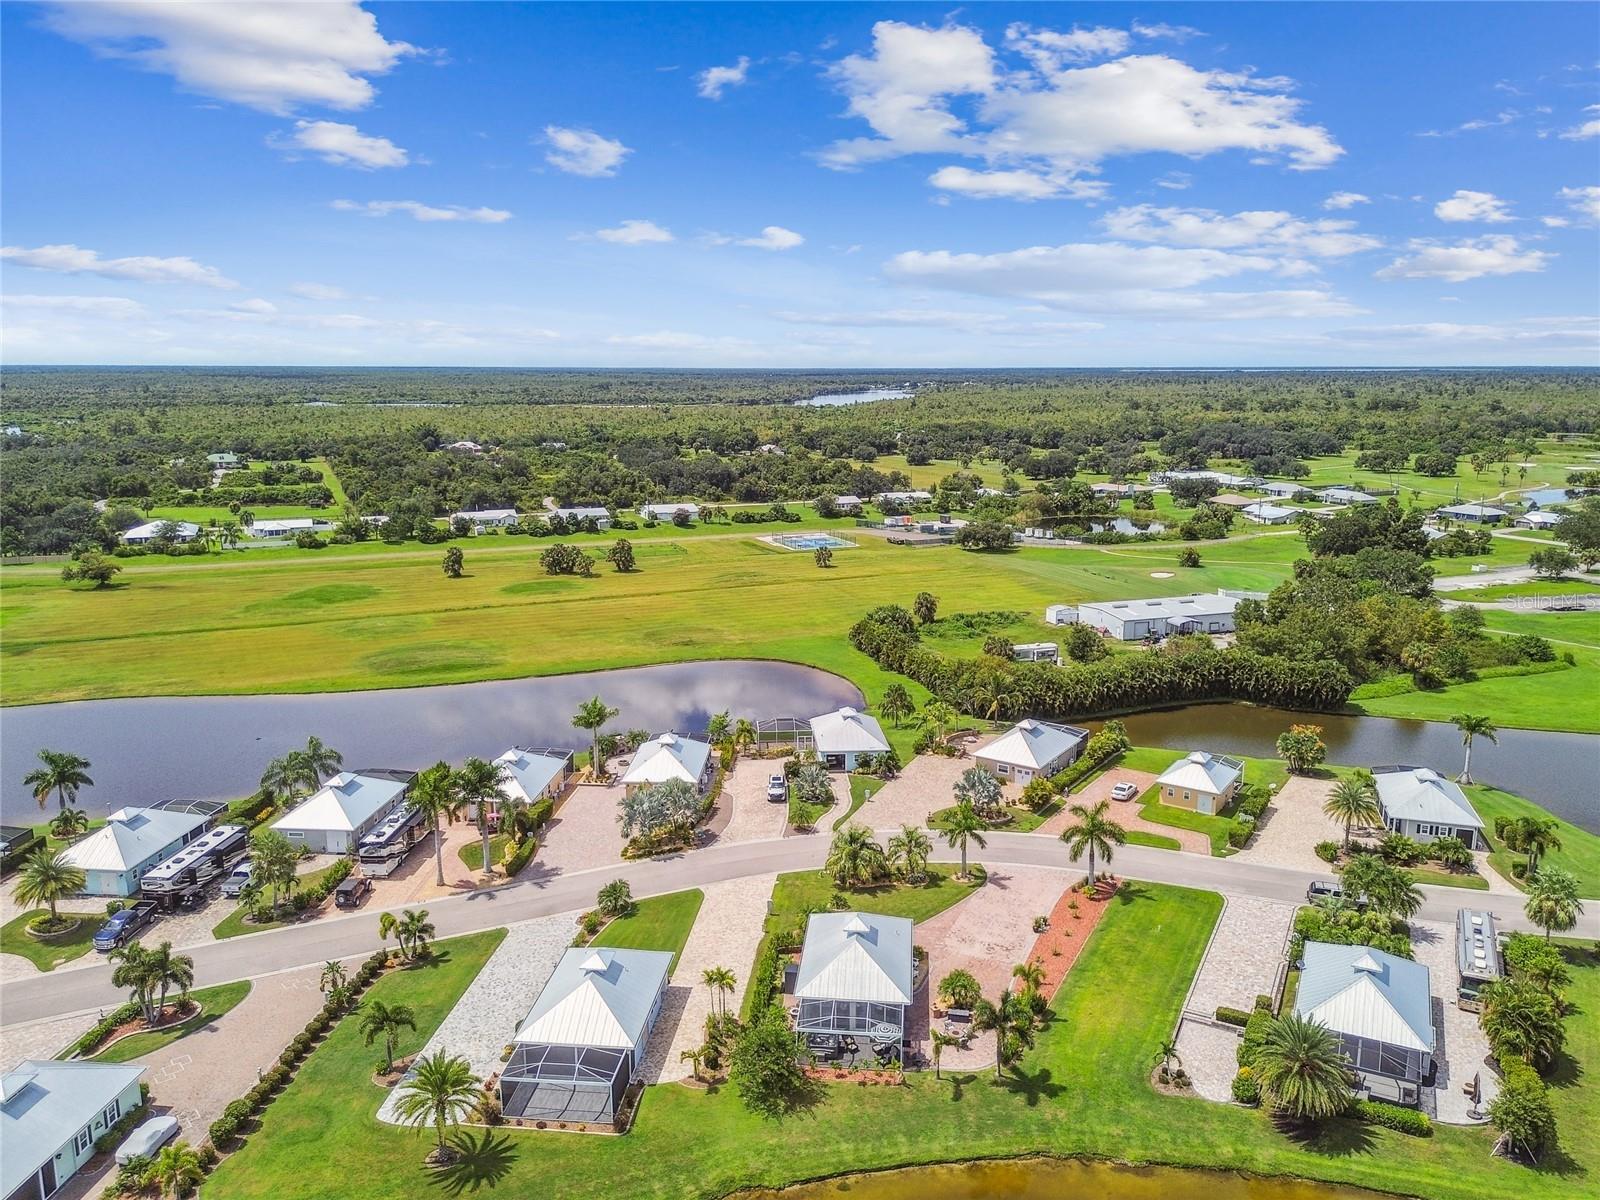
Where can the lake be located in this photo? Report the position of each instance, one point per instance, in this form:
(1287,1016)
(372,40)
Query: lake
(1543,496)
(834,399)
(1057,1179)
(203,747)
(1555,770)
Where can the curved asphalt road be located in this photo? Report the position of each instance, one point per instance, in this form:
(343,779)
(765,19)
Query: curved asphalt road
(543,892)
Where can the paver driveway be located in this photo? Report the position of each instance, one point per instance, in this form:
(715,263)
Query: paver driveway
(585,831)
(925,785)
(1293,825)
(1124,812)
(1462,1046)
(754,817)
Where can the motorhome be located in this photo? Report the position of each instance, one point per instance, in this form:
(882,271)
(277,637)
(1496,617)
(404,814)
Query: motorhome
(1477,956)
(197,864)
(383,850)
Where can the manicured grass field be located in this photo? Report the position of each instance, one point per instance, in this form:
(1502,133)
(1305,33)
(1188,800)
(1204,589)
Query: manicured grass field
(1553,588)
(1084,1090)
(659,923)
(1473,882)
(862,789)
(213,1001)
(1023,820)
(1579,853)
(1158,841)
(47,956)
(471,853)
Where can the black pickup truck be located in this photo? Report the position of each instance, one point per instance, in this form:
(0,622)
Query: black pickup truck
(124,924)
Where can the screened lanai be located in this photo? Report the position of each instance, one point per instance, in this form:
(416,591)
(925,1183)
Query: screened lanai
(564,1083)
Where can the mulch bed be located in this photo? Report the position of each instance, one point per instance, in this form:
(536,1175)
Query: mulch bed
(167,1017)
(396,1072)
(1058,947)
(866,1076)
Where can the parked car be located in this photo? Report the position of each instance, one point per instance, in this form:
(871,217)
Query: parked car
(124,924)
(1125,791)
(236,882)
(777,788)
(1321,889)
(147,1138)
(352,892)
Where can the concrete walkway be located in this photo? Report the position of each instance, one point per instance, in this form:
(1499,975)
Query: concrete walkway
(1462,1047)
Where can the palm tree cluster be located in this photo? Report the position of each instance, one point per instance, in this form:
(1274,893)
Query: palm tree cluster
(908,853)
(411,930)
(150,974)
(855,859)
(300,772)
(1387,890)
(1533,837)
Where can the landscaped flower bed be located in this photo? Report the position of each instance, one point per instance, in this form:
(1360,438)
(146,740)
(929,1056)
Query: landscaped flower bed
(1071,922)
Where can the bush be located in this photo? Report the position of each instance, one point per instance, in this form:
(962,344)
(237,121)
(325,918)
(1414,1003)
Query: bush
(1263,1002)
(1328,851)
(222,1130)
(1233,1016)
(1239,833)
(1522,1109)
(1245,1088)
(1391,1116)
(1255,1032)
(521,854)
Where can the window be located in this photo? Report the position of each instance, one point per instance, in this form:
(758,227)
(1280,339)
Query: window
(82,1142)
(1186,797)
(112,1112)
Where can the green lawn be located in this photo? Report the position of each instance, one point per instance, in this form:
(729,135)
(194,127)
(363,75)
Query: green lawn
(1159,841)
(1579,853)
(47,956)
(1023,820)
(1083,1090)
(659,923)
(471,853)
(234,923)
(803,814)
(1545,587)
(862,789)
(213,1001)
(1431,875)
(1216,828)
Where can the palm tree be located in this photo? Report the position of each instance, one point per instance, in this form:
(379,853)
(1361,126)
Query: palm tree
(940,1040)
(229,535)
(1301,1069)
(412,931)
(289,776)
(434,792)
(1093,831)
(1011,1022)
(744,734)
(896,704)
(936,718)
(320,760)
(854,858)
(333,977)
(1352,803)
(176,1170)
(721,982)
(478,782)
(132,971)
(695,1055)
(1553,903)
(167,969)
(1167,1054)
(1388,890)
(388,924)
(47,879)
(386,1021)
(964,824)
(592,715)
(442,1089)
(719,728)
(1521,1021)
(1030,975)
(1472,725)
(908,851)
(62,773)
(1535,837)
(69,823)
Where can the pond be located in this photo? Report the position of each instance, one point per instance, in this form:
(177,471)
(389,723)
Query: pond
(157,748)
(834,399)
(1554,770)
(1543,496)
(1057,1179)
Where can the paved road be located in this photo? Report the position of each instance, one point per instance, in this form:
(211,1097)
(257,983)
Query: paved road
(543,893)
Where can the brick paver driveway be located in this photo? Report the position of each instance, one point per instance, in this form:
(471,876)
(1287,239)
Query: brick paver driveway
(585,831)
(754,817)
(1293,825)
(924,785)
(1462,1047)
(1124,812)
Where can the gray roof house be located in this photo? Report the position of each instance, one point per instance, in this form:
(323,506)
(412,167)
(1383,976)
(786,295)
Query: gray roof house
(1485,514)
(1345,495)
(115,857)
(1380,1005)
(584,1040)
(531,774)
(1201,781)
(669,757)
(1422,804)
(843,736)
(1032,748)
(51,1113)
(344,810)
(856,978)
(1134,620)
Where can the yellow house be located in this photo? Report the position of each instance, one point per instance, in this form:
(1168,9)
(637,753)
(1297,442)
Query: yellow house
(1202,782)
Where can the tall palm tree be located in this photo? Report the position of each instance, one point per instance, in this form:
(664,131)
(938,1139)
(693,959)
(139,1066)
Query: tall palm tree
(442,1089)
(964,824)
(1093,831)
(69,823)
(1301,1069)
(47,879)
(1352,803)
(1553,903)
(721,982)
(1535,837)
(167,970)
(321,761)
(412,931)
(1011,1022)
(434,793)
(908,851)
(854,858)
(131,970)
(896,704)
(386,1021)
(229,535)
(592,715)
(388,924)
(176,1170)
(744,734)
(1472,726)
(478,782)
(61,773)
(719,728)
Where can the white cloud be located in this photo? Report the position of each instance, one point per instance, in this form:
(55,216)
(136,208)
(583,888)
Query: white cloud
(773,237)
(1495,254)
(423,212)
(672,339)
(1473,206)
(1581,332)
(1585,129)
(946,91)
(270,56)
(1555,222)
(1583,200)
(1176,181)
(1049,50)
(1343,200)
(931,318)
(1268,231)
(1014,185)
(634,232)
(1506,116)
(1160,29)
(339,144)
(713,81)
(319,291)
(73,260)
(113,308)
(256,307)
(583,152)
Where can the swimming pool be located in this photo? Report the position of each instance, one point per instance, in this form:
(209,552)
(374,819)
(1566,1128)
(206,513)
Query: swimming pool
(809,541)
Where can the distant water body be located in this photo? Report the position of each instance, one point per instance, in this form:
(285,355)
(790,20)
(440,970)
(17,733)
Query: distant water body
(836,399)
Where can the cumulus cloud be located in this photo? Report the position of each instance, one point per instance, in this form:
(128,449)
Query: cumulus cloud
(1160,29)
(419,211)
(1272,231)
(947,91)
(340,144)
(773,237)
(673,339)
(635,232)
(1584,200)
(1343,200)
(1495,254)
(583,152)
(270,56)
(319,291)
(932,318)
(713,81)
(1584,129)
(111,308)
(68,259)
(1473,206)
(1015,185)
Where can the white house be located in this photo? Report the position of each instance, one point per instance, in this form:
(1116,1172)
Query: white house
(670,757)
(849,504)
(465,447)
(1220,478)
(532,775)
(584,512)
(1483,514)
(903,499)
(51,1115)
(486,518)
(344,810)
(179,531)
(1200,781)
(1537,519)
(279,527)
(843,736)
(1061,614)
(1032,748)
(1135,620)
(856,980)
(1285,491)
(1345,496)
(115,857)
(1381,1007)
(225,461)
(585,1038)
(1263,513)
(1423,805)
(666,512)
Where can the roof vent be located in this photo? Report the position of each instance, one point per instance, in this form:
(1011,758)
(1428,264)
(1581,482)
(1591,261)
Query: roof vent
(15,1082)
(1028,726)
(1368,964)
(847,712)
(1427,774)
(856,925)
(667,739)
(595,963)
(1200,756)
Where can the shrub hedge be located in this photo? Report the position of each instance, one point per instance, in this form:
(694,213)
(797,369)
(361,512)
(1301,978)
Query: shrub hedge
(1390,1116)
(1233,1016)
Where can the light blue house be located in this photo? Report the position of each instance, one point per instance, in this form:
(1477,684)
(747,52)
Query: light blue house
(115,857)
(1381,1007)
(843,737)
(51,1114)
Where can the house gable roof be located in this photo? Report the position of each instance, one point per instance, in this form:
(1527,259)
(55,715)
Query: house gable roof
(1422,794)
(847,731)
(346,802)
(1367,993)
(1032,744)
(597,997)
(856,956)
(43,1104)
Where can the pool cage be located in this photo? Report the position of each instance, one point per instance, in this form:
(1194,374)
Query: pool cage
(543,1082)
(784,731)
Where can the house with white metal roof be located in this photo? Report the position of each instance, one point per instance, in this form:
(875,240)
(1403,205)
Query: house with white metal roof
(1030,749)
(1539,518)
(288,526)
(1220,478)
(1381,1007)
(1422,804)
(667,757)
(667,511)
(1135,620)
(1263,513)
(224,461)
(344,810)
(856,978)
(486,518)
(585,1038)
(847,504)
(1200,781)
(115,857)
(177,531)
(1285,491)
(843,736)
(51,1115)
(584,512)
(1482,514)
(1345,496)
(530,775)
(909,499)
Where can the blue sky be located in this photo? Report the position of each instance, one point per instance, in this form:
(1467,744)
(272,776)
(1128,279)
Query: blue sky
(801,185)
